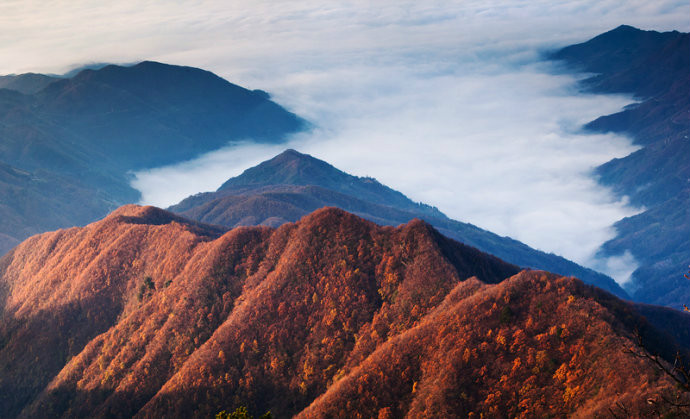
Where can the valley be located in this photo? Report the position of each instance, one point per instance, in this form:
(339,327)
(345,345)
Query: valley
(300,289)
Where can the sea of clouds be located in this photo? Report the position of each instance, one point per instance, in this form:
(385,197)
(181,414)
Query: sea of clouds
(449,102)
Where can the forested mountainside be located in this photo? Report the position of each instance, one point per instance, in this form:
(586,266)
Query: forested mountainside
(655,67)
(533,346)
(292,184)
(146,314)
(68,144)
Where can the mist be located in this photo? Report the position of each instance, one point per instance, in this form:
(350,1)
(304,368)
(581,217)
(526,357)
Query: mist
(501,149)
(448,102)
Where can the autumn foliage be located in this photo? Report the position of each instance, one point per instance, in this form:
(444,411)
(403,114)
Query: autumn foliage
(148,315)
(534,346)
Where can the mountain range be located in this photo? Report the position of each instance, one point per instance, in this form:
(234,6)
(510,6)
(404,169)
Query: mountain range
(69,143)
(302,290)
(655,68)
(292,184)
(146,314)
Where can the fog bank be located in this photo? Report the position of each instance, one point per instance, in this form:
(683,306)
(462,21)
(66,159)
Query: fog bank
(446,101)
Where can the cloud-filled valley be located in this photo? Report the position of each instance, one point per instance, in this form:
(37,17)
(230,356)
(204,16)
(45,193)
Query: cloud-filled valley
(450,103)
(500,150)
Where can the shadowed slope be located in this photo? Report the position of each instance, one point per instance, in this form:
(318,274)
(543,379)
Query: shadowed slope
(153,114)
(33,202)
(630,60)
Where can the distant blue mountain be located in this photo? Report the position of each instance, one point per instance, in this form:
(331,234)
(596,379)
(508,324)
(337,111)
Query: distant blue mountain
(28,83)
(655,67)
(84,134)
(92,66)
(153,114)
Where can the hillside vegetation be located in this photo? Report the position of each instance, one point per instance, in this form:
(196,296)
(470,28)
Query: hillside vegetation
(146,314)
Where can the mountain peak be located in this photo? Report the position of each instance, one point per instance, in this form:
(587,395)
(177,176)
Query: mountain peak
(295,158)
(154,216)
(626,28)
(293,154)
(330,216)
(164,74)
(624,51)
(298,169)
(326,214)
(147,214)
(27,83)
(290,168)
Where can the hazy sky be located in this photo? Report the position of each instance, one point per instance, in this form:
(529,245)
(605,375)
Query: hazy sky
(445,101)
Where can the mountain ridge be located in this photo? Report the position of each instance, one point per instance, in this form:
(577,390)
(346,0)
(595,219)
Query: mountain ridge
(92,279)
(293,184)
(80,137)
(27,83)
(293,168)
(655,67)
(146,314)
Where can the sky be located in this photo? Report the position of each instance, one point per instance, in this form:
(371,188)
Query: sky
(449,102)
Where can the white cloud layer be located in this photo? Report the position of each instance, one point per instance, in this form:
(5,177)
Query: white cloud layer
(443,100)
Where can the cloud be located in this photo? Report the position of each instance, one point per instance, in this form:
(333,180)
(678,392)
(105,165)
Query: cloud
(497,148)
(620,267)
(165,186)
(443,100)
(231,37)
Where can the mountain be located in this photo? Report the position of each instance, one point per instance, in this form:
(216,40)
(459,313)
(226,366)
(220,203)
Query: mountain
(293,184)
(630,60)
(146,115)
(28,83)
(499,351)
(41,201)
(147,314)
(83,135)
(153,114)
(294,168)
(121,305)
(92,66)
(655,67)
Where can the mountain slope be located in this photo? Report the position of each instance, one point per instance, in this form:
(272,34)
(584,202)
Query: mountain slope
(498,351)
(656,68)
(38,201)
(145,314)
(83,135)
(623,57)
(73,298)
(153,114)
(293,184)
(146,115)
(294,168)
